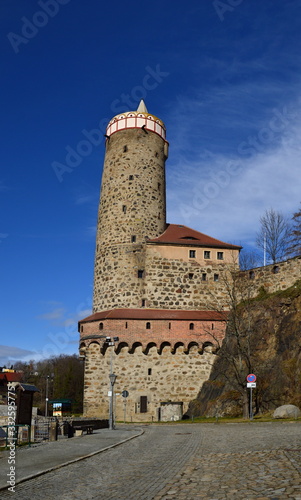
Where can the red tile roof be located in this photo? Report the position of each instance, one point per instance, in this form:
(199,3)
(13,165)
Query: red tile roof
(176,234)
(11,377)
(160,314)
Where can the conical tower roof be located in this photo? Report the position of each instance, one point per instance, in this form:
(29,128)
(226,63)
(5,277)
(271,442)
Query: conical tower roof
(142,108)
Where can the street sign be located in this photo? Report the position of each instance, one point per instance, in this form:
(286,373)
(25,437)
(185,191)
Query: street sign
(251,377)
(125,394)
(251,385)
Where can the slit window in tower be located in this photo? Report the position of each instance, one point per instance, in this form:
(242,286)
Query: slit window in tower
(81,328)
(124,209)
(212,326)
(192,254)
(101,326)
(148,325)
(125,148)
(206,254)
(191,326)
(133,238)
(169,326)
(149,371)
(126,324)
(159,186)
(143,303)
(140,273)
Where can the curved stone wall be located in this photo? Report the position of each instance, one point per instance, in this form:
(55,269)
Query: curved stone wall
(132,209)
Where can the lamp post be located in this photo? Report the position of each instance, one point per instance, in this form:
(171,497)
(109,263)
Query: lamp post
(111,342)
(112,378)
(48,377)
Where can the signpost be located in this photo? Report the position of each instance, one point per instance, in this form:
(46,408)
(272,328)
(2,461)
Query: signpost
(251,384)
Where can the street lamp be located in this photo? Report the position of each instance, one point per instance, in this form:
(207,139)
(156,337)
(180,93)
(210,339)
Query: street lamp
(47,391)
(110,341)
(112,378)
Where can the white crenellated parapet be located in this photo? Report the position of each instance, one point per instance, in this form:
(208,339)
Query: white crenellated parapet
(135,119)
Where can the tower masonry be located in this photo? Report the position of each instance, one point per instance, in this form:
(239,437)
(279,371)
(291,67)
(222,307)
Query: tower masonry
(159,289)
(132,206)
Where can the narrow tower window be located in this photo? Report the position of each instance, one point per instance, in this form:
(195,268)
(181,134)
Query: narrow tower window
(159,186)
(191,326)
(148,325)
(133,238)
(149,371)
(131,177)
(126,324)
(125,148)
(124,209)
(140,273)
(169,326)
(101,326)
(143,303)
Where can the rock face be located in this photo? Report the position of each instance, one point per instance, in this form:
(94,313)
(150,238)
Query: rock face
(287,411)
(275,325)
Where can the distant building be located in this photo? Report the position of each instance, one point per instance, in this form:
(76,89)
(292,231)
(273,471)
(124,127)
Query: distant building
(158,287)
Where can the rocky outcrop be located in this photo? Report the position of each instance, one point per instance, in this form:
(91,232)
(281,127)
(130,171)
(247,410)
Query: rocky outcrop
(274,325)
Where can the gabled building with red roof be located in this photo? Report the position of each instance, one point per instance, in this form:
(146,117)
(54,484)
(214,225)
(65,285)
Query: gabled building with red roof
(159,288)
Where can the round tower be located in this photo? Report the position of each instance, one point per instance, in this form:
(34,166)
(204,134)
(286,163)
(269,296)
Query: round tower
(132,207)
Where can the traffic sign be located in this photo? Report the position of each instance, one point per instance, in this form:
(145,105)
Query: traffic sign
(251,385)
(125,394)
(251,377)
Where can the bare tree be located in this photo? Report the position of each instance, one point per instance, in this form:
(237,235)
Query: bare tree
(273,236)
(294,247)
(248,260)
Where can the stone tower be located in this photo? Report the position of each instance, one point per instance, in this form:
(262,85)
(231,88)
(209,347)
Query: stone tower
(159,289)
(132,207)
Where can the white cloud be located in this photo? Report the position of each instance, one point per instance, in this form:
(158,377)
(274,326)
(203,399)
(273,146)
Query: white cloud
(9,355)
(54,315)
(205,193)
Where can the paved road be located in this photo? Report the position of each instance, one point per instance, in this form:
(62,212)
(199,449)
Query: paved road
(183,462)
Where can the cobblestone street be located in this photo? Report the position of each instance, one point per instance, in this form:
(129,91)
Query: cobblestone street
(208,461)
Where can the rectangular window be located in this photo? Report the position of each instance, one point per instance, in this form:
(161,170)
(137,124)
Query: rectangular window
(124,209)
(204,277)
(206,254)
(216,277)
(131,177)
(149,371)
(140,273)
(220,255)
(143,303)
(192,254)
(133,239)
(143,404)
(190,276)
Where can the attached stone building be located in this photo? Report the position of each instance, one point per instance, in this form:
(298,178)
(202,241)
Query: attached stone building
(158,287)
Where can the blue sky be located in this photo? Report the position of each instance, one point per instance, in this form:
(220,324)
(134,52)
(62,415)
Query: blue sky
(224,77)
